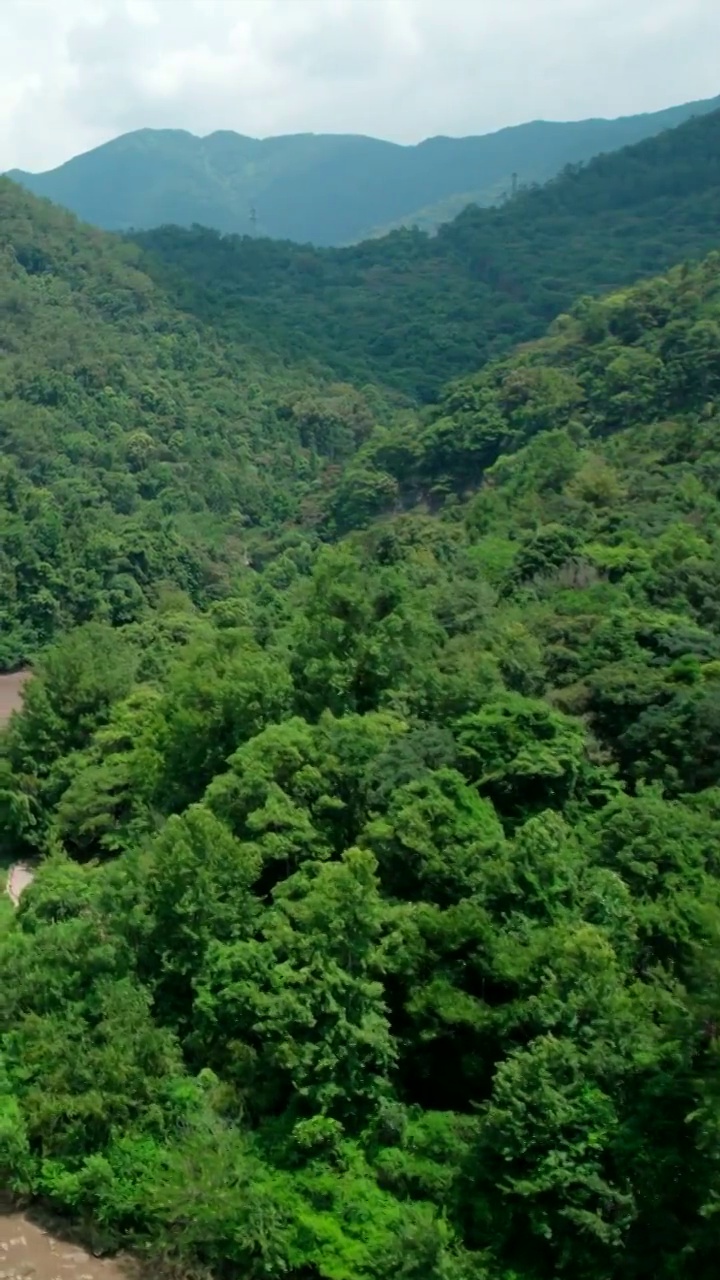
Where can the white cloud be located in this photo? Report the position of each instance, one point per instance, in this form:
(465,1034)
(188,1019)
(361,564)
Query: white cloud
(74,73)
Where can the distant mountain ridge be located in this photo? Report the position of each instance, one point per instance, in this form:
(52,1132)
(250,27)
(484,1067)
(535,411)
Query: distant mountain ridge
(326,189)
(414,311)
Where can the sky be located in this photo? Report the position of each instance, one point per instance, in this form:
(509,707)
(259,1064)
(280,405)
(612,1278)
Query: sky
(75,73)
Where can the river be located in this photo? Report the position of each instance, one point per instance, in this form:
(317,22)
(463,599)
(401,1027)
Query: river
(11,687)
(29,1252)
(11,690)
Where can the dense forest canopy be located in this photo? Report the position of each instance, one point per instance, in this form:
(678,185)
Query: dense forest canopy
(322,188)
(413,311)
(376,923)
(139,450)
(152,427)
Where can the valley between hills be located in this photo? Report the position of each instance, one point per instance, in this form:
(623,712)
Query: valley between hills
(369,764)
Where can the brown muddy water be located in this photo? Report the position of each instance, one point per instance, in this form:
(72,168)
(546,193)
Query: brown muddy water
(11,687)
(19,876)
(30,1252)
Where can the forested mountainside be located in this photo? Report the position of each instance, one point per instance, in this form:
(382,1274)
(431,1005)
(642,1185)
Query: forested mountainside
(323,188)
(378,926)
(137,449)
(156,432)
(414,311)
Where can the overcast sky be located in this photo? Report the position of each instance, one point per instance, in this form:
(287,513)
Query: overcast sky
(74,73)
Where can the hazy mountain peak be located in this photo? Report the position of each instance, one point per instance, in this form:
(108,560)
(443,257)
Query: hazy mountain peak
(323,188)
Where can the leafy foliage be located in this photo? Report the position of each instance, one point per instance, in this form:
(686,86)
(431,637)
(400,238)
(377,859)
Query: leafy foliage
(136,448)
(377,915)
(413,310)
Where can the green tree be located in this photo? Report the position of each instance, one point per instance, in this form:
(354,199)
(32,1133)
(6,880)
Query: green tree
(304,999)
(522,754)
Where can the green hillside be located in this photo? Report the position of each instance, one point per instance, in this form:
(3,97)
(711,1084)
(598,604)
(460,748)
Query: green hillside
(323,188)
(414,311)
(400,951)
(157,432)
(370,765)
(138,453)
